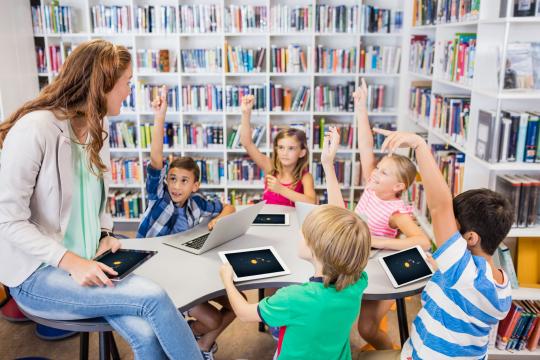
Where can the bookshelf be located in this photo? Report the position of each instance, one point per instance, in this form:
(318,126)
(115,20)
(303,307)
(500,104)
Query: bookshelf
(486,92)
(177,36)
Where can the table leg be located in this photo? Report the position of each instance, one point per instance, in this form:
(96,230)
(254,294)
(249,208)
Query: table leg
(402,320)
(261,324)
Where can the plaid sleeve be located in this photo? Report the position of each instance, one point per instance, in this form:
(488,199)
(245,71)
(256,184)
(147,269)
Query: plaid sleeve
(208,207)
(155,182)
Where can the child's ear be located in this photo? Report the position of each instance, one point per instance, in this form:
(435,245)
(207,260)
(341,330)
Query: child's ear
(399,187)
(196,187)
(472,238)
(303,153)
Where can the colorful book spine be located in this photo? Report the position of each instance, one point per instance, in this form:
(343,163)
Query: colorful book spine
(202,18)
(202,60)
(244,170)
(128,105)
(125,204)
(291,59)
(421,55)
(246,18)
(380,59)
(125,171)
(122,135)
(334,98)
(377,20)
(458,58)
(237,198)
(145,19)
(168,16)
(342,168)
(111,19)
(235,93)
(338,19)
(376,97)
(378,139)
(284,99)
(291,18)
(149,60)
(149,92)
(451,115)
(202,97)
(52,19)
(41,60)
(346,133)
(212,171)
(200,136)
(452,166)
(327,60)
(257,135)
(420,101)
(244,60)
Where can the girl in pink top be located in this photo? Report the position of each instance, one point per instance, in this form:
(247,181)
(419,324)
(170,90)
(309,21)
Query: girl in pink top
(287,179)
(387,214)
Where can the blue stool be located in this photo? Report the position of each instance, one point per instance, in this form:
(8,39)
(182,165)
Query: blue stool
(107,345)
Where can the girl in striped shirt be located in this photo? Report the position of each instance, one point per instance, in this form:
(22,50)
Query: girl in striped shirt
(387,214)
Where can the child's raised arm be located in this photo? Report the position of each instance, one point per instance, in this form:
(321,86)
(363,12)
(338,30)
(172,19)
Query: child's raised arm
(438,196)
(330,146)
(159,106)
(365,136)
(246,140)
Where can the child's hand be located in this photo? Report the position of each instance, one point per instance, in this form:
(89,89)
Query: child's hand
(330,146)
(159,104)
(273,184)
(226,273)
(247,104)
(212,223)
(397,139)
(432,262)
(360,95)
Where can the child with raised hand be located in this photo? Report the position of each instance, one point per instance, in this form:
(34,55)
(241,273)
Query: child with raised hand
(287,179)
(174,206)
(467,295)
(316,317)
(387,214)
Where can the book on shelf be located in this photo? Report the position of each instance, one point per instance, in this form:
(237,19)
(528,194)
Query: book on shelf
(452,165)
(524,7)
(125,204)
(380,59)
(244,60)
(375,97)
(282,98)
(275,129)
(321,127)
(125,171)
(237,198)
(168,16)
(257,136)
(111,19)
(52,19)
(200,18)
(522,70)
(246,18)
(451,115)
(149,92)
(212,171)
(202,97)
(519,329)
(291,59)
(129,103)
(244,170)
(522,191)
(459,56)
(291,18)
(145,19)
(342,168)
(146,131)
(377,20)
(202,60)
(122,135)
(151,60)
(422,53)
(41,60)
(431,12)
(55,56)
(420,101)
(235,93)
(378,139)
(337,19)
(328,60)
(199,135)
(334,98)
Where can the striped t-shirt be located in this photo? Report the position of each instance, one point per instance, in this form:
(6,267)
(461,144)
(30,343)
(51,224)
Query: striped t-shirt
(378,213)
(461,303)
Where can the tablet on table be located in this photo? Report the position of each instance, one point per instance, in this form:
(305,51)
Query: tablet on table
(255,263)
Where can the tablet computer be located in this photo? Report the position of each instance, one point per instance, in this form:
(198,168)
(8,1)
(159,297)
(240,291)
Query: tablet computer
(271,219)
(124,261)
(254,263)
(406,266)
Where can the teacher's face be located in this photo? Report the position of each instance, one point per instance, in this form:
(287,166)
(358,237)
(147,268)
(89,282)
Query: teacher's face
(119,92)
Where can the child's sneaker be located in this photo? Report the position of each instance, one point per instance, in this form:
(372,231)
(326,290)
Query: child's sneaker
(207,355)
(274,331)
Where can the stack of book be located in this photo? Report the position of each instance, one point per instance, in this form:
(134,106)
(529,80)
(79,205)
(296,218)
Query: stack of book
(457,63)
(244,170)
(346,133)
(520,329)
(376,20)
(52,19)
(202,97)
(420,101)
(149,92)
(150,60)
(292,59)
(212,171)
(522,191)
(337,19)
(375,98)
(450,115)
(246,18)
(235,93)
(285,18)
(202,60)
(514,139)
(122,135)
(257,135)
(326,60)
(129,103)
(282,99)
(202,18)
(431,12)
(125,171)
(111,19)
(380,59)
(203,135)
(343,170)
(244,60)
(422,53)
(125,204)
(334,98)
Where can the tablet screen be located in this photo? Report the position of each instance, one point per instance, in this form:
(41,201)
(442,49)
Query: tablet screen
(253,262)
(124,260)
(275,219)
(407,266)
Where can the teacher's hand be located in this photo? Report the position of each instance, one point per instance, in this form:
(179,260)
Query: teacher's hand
(86,272)
(107,243)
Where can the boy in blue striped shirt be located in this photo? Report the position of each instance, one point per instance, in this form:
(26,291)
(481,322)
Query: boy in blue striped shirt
(467,295)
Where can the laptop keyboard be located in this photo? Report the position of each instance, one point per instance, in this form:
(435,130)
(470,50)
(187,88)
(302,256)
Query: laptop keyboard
(197,243)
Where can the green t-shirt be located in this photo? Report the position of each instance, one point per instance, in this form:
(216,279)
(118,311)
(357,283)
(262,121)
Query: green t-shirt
(83,230)
(317,319)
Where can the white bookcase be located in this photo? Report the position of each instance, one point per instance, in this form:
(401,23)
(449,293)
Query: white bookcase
(175,42)
(487,93)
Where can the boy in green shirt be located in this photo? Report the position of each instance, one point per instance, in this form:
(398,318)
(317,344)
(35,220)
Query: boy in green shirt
(337,243)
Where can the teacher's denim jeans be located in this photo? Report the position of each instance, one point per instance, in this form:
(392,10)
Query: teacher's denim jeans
(137,308)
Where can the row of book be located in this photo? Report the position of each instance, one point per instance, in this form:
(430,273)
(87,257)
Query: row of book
(235,93)
(125,171)
(111,19)
(240,59)
(244,170)
(286,18)
(282,98)
(291,59)
(520,8)
(421,56)
(431,12)
(125,204)
(257,136)
(375,98)
(52,19)
(338,19)
(346,133)
(238,198)
(458,58)
(380,59)
(514,139)
(450,115)
(145,19)
(343,169)
(200,18)
(150,60)
(522,191)
(202,60)
(452,166)
(203,135)
(245,18)
(376,20)
(202,97)
(327,60)
(378,139)
(334,98)
(520,329)
(149,92)
(122,135)
(212,171)
(420,101)
(523,66)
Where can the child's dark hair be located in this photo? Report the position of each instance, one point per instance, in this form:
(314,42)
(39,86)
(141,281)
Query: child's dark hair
(186,163)
(485,212)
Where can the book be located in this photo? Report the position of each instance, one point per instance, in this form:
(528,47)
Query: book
(148,92)
(111,19)
(457,63)
(150,60)
(328,60)
(507,265)
(291,18)
(202,60)
(421,52)
(200,18)
(524,7)
(380,59)
(196,98)
(235,93)
(292,59)
(122,135)
(242,60)
(518,72)
(168,16)
(125,171)
(334,98)
(125,204)
(343,170)
(337,19)
(198,136)
(420,101)
(451,115)
(245,18)
(244,170)
(128,104)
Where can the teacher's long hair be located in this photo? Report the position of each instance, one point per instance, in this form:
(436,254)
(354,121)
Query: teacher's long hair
(79,90)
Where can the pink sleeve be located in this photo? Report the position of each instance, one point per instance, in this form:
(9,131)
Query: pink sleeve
(403,208)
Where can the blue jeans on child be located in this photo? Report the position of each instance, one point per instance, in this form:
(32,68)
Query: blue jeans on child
(137,308)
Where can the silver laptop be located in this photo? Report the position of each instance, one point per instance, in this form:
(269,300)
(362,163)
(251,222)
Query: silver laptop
(199,239)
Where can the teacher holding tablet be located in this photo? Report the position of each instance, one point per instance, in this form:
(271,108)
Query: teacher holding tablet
(54,171)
